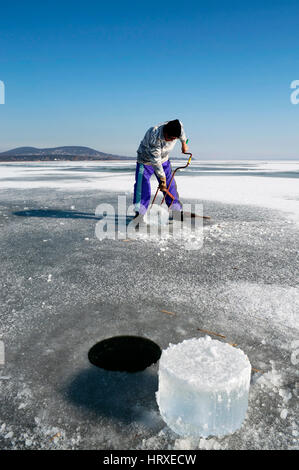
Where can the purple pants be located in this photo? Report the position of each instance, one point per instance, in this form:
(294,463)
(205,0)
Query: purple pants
(142,187)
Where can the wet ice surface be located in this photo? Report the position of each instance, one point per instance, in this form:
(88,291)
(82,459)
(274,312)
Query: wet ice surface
(62,291)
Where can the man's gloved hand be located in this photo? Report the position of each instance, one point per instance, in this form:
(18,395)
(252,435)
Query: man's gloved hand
(162,184)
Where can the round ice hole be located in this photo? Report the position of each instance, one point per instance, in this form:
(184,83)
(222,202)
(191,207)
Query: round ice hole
(124,353)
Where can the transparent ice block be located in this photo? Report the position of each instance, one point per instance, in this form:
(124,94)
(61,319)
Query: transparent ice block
(203,387)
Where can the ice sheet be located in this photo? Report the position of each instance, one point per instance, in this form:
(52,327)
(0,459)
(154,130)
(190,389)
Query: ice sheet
(242,284)
(276,193)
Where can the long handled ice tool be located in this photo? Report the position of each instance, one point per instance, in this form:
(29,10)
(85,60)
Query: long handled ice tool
(166,191)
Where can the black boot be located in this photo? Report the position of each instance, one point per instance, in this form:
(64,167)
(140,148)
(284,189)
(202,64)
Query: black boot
(139,220)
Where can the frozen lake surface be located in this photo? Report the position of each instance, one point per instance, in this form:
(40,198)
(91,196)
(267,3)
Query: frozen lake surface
(63,290)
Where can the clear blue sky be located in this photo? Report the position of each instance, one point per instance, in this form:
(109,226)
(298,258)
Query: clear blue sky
(100,73)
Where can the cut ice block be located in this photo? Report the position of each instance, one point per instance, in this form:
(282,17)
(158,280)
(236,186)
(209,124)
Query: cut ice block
(203,387)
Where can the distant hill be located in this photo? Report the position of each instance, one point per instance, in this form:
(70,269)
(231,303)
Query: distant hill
(58,153)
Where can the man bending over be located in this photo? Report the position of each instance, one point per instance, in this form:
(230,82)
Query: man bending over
(153,157)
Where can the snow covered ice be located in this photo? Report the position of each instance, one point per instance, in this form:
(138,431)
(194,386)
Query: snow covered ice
(241,283)
(203,387)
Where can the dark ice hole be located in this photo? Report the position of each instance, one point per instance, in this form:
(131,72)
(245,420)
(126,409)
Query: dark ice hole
(124,353)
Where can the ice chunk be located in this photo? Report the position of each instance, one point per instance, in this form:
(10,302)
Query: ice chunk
(203,387)
(157,215)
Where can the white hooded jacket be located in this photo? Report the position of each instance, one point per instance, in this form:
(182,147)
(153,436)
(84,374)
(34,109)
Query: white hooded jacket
(154,149)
